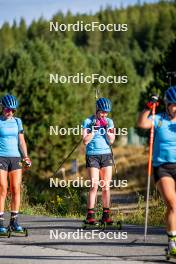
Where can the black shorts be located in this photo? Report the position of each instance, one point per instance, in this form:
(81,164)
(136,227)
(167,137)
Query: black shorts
(99,161)
(167,169)
(10,164)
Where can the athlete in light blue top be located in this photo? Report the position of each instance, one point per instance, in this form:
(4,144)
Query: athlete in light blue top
(9,131)
(165,140)
(13,152)
(100,143)
(98,135)
(164,158)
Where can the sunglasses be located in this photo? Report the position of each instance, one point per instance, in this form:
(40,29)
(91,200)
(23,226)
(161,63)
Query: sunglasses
(103,112)
(7,110)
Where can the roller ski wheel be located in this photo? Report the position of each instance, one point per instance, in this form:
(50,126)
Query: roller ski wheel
(115,225)
(90,224)
(169,254)
(118,225)
(105,223)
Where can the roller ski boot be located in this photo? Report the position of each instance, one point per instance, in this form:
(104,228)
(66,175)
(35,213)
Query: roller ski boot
(106,221)
(14,228)
(90,220)
(171,250)
(3,230)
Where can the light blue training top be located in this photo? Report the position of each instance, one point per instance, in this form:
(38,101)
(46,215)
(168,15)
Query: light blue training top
(9,130)
(99,144)
(164,149)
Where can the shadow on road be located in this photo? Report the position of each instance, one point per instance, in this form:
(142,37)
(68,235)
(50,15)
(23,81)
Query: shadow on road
(130,229)
(85,258)
(90,243)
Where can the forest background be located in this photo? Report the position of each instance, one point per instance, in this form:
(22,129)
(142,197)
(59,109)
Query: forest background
(28,54)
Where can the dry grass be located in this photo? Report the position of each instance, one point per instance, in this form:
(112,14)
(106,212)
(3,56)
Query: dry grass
(131,164)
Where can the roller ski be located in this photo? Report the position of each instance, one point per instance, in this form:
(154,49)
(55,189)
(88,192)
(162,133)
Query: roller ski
(15,229)
(106,221)
(90,220)
(171,249)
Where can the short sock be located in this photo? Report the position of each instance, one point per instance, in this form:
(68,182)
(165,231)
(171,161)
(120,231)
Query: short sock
(14,215)
(171,233)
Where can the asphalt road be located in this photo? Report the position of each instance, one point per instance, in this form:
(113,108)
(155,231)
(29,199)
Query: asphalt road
(54,240)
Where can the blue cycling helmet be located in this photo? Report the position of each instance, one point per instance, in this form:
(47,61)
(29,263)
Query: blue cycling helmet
(170,95)
(104,104)
(9,101)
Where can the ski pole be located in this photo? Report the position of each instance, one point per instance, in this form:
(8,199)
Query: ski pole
(149,169)
(113,160)
(64,160)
